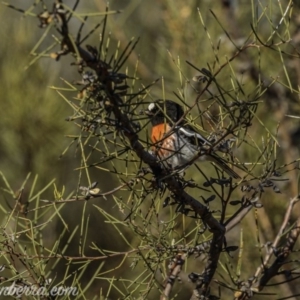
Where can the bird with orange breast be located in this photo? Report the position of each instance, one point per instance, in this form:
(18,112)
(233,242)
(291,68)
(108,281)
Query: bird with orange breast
(180,145)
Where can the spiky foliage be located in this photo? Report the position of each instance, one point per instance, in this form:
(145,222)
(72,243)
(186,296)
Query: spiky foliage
(157,224)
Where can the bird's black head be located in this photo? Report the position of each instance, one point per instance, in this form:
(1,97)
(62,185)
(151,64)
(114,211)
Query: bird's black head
(162,111)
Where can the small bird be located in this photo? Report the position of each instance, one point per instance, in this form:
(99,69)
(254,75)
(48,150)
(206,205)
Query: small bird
(181,145)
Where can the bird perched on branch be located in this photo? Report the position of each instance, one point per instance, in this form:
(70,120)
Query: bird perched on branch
(178,143)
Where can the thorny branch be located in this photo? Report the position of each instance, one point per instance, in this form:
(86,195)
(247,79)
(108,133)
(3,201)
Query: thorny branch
(257,284)
(282,253)
(113,100)
(173,185)
(281,256)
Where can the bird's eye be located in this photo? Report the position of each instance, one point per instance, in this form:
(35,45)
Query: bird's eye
(151,106)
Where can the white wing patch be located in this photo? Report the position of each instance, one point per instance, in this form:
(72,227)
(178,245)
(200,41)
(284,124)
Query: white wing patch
(191,134)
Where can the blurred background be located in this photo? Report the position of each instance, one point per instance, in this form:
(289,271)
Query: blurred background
(35,133)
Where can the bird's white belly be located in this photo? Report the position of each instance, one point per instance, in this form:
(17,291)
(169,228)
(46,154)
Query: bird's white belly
(185,152)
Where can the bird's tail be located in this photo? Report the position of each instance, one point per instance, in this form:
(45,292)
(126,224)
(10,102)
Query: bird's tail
(223,165)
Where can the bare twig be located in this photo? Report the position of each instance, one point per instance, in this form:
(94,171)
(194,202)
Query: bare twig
(284,251)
